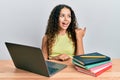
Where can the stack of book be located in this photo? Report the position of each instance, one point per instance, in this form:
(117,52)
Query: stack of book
(92,63)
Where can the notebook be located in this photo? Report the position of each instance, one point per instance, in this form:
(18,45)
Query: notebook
(31,59)
(87,61)
(89,65)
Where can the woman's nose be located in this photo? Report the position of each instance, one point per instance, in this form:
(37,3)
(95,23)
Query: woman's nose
(66,18)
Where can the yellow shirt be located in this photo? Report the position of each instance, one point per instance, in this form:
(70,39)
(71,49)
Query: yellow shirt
(63,45)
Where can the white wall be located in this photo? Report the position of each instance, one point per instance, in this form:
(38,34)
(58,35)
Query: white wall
(24,21)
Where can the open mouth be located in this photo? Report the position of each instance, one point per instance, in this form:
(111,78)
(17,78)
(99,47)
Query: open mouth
(65,24)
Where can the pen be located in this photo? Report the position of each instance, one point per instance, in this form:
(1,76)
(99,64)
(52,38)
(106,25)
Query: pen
(93,56)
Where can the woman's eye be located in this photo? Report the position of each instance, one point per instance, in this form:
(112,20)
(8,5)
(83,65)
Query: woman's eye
(61,15)
(69,16)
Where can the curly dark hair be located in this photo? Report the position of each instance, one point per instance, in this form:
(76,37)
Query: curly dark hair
(53,27)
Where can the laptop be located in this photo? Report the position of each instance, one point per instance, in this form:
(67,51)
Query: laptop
(31,59)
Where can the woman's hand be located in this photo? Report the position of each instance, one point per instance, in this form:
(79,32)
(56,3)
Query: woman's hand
(61,57)
(80,33)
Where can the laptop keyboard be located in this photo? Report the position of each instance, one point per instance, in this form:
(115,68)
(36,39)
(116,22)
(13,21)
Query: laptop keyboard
(53,67)
(52,70)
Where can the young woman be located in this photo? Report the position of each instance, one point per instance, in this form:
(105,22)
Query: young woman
(63,38)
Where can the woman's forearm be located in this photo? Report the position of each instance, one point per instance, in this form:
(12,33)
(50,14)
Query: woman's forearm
(80,48)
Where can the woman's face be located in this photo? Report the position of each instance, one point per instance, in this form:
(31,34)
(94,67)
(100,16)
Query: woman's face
(64,18)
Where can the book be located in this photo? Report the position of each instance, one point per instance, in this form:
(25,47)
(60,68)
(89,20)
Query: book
(96,71)
(89,65)
(90,60)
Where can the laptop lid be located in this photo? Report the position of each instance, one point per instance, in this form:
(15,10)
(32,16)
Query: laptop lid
(27,58)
